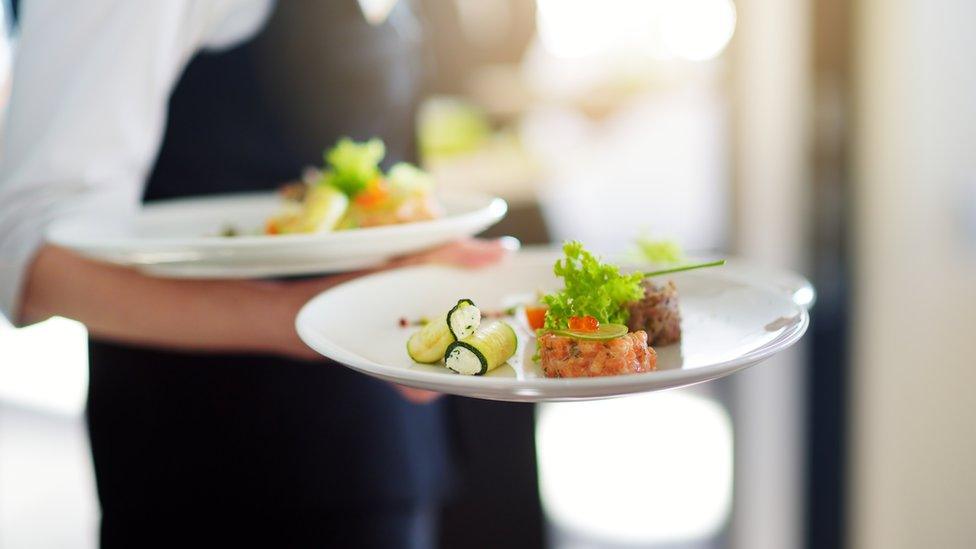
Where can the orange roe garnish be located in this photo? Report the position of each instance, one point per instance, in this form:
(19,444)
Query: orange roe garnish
(583,323)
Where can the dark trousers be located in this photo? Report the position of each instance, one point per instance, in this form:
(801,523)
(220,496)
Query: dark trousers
(248,451)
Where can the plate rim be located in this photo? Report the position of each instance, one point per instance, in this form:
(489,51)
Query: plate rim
(493,209)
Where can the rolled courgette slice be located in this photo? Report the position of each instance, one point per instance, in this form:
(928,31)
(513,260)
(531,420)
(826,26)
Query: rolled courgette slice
(429,344)
(486,349)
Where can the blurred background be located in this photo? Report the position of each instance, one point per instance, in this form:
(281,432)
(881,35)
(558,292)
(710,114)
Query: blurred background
(833,137)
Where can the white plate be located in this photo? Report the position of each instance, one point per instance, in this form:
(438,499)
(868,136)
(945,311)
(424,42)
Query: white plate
(179,237)
(733,317)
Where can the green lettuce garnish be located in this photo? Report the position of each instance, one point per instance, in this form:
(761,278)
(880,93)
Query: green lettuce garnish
(353,165)
(591,288)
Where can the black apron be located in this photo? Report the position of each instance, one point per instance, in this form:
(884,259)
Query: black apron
(180,434)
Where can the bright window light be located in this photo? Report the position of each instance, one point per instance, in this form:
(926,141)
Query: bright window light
(647,469)
(579,28)
(697,30)
(694,30)
(45,365)
(376,11)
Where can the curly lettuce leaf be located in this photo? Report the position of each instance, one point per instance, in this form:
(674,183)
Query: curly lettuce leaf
(353,165)
(591,288)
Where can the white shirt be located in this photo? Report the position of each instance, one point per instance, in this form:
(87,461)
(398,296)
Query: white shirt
(91,82)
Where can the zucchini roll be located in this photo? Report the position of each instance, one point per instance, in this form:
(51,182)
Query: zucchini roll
(429,344)
(488,348)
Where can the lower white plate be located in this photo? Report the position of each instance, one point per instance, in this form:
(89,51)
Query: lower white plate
(732,318)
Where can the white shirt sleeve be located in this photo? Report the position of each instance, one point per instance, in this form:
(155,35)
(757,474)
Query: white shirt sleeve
(91,82)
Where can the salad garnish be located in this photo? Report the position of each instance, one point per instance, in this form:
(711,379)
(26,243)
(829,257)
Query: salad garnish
(597,290)
(353,166)
(352,191)
(590,288)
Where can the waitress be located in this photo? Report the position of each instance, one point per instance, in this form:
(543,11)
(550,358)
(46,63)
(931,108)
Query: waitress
(210,422)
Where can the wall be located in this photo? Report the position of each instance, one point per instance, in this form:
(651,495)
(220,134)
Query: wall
(914,439)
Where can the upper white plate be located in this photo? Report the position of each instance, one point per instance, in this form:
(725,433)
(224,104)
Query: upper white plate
(733,317)
(179,238)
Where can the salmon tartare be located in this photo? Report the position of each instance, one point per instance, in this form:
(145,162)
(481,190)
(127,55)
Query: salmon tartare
(565,356)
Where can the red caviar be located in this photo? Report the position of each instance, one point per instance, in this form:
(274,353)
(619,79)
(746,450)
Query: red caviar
(584,323)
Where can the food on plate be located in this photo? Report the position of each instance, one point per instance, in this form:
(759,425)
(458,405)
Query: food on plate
(405,195)
(588,327)
(486,349)
(565,355)
(585,331)
(460,339)
(352,191)
(320,209)
(535,316)
(590,288)
(602,322)
(657,313)
(588,348)
(597,289)
(429,344)
(423,321)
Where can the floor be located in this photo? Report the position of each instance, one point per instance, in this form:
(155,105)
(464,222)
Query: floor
(48,498)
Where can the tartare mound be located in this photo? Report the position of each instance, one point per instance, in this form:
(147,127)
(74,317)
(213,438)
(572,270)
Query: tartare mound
(563,356)
(657,314)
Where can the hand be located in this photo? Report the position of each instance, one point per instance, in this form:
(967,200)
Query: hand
(470,253)
(416,396)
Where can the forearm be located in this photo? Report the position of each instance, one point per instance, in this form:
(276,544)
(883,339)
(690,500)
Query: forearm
(197,315)
(201,315)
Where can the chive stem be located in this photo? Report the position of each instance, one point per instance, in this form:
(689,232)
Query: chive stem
(718,263)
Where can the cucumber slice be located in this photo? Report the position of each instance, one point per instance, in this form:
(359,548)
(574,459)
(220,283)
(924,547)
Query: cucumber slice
(429,344)
(605,331)
(486,349)
(324,207)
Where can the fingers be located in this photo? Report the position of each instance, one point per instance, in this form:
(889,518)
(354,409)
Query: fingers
(416,396)
(468,253)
